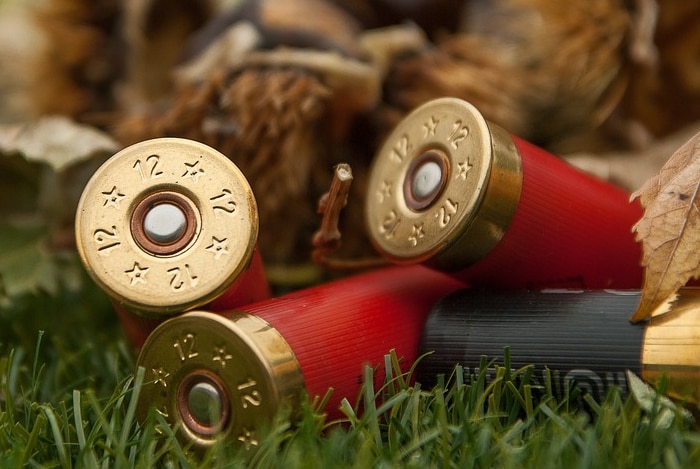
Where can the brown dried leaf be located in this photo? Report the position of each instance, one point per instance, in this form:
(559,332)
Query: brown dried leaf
(680,159)
(670,228)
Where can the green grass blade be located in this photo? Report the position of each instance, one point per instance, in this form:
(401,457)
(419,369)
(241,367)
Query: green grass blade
(59,444)
(31,444)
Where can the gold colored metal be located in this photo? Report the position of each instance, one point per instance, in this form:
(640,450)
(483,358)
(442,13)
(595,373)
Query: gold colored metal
(672,347)
(241,364)
(471,182)
(155,276)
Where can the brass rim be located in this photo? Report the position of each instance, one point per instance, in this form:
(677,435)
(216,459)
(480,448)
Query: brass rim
(471,193)
(247,363)
(154,277)
(671,348)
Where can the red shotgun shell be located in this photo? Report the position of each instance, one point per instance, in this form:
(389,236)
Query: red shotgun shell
(226,376)
(460,194)
(249,287)
(168,225)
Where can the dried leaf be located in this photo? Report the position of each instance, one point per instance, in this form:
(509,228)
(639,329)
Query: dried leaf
(28,267)
(670,228)
(44,165)
(649,400)
(55,140)
(680,159)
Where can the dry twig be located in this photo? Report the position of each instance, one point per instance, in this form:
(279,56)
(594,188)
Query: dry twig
(327,239)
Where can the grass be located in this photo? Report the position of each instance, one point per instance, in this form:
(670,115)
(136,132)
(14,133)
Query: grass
(67,400)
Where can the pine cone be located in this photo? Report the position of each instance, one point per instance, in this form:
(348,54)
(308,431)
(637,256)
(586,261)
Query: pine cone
(61,58)
(540,69)
(281,113)
(667,97)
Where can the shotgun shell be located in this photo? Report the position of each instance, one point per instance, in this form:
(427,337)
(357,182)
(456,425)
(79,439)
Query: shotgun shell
(168,225)
(580,338)
(249,287)
(226,376)
(460,194)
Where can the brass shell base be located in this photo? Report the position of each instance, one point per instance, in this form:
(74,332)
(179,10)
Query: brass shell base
(244,358)
(221,232)
(464,218)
